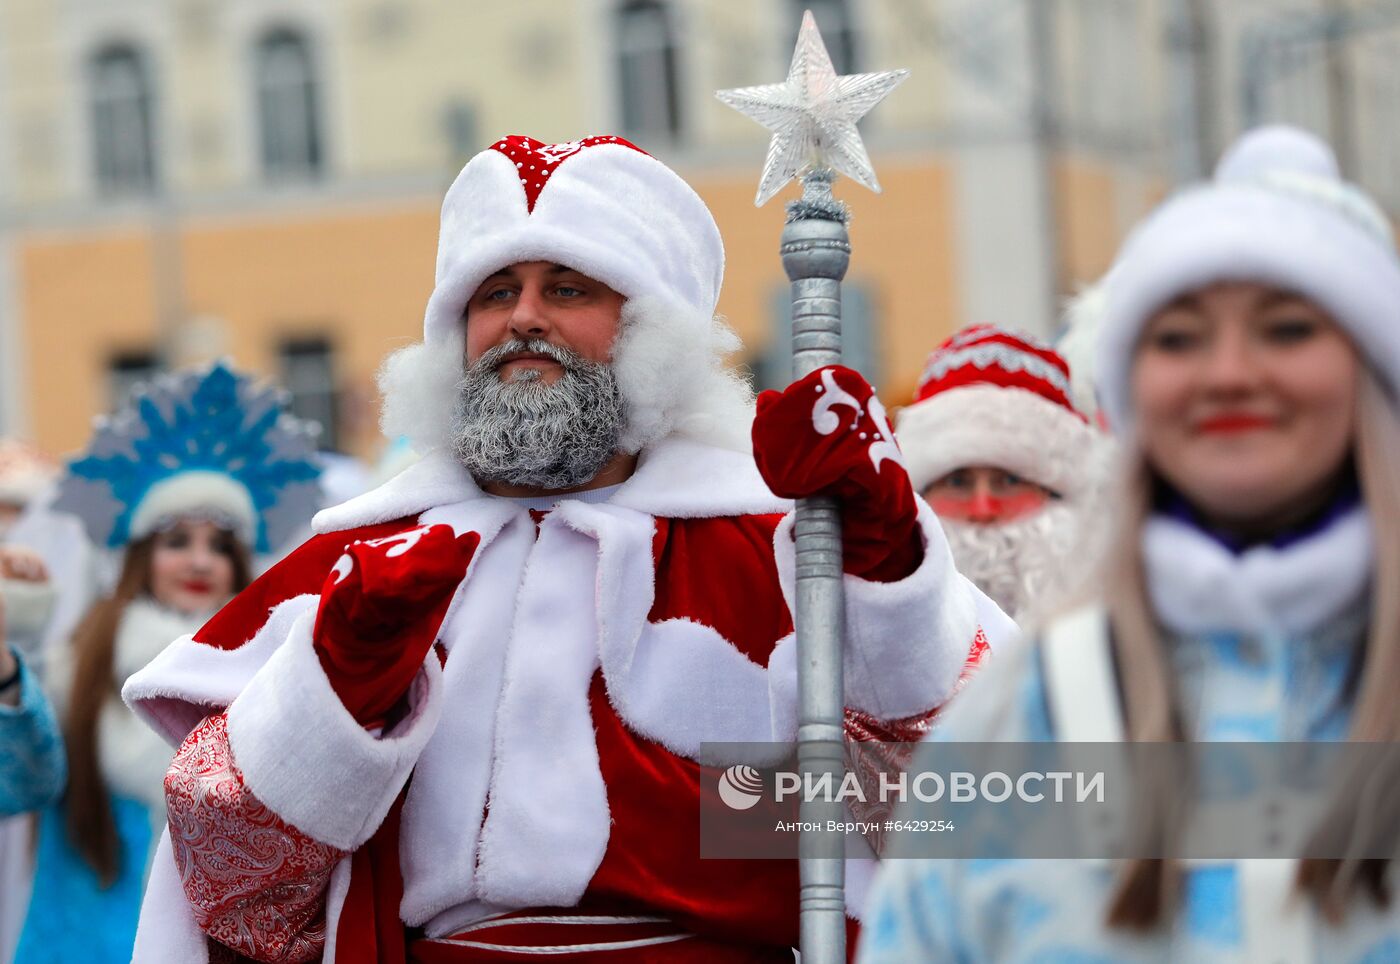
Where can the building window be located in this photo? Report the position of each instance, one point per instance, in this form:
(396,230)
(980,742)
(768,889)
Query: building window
(308,375)
(288,123)
(122,120)
(647,69)
(460,130)
(1107,68)
(860,348)
(835,22)
(126,371)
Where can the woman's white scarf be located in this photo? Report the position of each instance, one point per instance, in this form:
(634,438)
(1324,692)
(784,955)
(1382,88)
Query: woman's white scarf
(1198,585)
(133,758)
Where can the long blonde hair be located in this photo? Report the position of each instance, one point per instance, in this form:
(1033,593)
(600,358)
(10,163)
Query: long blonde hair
(1147,888)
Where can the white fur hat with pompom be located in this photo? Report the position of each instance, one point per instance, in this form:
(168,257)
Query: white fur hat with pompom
(1277,212)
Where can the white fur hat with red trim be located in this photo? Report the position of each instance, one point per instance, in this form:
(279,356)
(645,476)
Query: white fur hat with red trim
(991,397)
(600,205)
(1277,212)
(606,208)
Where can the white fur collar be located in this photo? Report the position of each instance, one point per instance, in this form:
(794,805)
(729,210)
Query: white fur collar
(675,478)
(1197,585)
(145,629)
(133,757)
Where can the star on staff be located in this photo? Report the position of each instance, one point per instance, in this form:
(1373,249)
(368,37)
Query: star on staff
(813,115)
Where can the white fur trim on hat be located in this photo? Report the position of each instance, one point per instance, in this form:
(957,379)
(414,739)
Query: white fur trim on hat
(1275,214)
(1009,428)
(611,212)
(191,493)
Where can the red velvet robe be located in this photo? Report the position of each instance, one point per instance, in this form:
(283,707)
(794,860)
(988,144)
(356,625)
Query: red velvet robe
(705,559)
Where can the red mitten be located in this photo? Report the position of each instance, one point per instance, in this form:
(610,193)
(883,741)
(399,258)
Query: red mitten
(827,435)
(381,608)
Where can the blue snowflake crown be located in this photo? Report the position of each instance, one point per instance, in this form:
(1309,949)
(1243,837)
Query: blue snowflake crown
(205,442)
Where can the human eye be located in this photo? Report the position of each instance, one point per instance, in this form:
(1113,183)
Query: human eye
(1290,330)
(958,479)
(175,539)
(566,290)
(1173,339)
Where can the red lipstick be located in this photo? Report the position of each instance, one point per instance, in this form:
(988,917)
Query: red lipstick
(1231,422)
(197,585)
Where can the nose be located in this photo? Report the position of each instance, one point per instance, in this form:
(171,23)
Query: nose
(983,506)
(202,558)
(1230,367)
(530,319)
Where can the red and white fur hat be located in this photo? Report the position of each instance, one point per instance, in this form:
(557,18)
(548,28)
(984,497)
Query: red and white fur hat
(606,208)
(990,397)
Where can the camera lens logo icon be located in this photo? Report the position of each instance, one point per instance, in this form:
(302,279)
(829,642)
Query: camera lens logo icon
(740,787)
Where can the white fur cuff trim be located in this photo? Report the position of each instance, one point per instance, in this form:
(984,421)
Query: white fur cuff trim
(167,930)
(303,754)
(189,680)
(906,641)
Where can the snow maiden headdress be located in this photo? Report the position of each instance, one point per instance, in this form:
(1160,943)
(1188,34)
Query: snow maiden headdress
(606,208)
(206,442)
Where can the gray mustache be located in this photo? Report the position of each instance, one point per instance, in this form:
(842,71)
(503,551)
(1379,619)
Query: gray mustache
(494,358)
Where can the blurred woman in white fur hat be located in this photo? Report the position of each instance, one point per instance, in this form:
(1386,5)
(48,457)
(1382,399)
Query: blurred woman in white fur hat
(1249,360)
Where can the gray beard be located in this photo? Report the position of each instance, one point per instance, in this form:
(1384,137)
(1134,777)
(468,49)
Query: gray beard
(526,432)
(1025,566)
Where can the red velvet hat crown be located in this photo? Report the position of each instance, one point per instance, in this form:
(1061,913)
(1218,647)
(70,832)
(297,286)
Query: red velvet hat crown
(535,160)
(988,355)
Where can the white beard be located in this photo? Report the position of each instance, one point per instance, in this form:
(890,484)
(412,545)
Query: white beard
(1025,566)
(526,432)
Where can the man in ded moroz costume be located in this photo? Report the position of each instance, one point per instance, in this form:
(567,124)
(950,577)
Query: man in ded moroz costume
(464,717)
(1015,471)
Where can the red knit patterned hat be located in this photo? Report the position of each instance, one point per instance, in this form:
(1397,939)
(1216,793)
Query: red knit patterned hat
(986,354)
(991,397)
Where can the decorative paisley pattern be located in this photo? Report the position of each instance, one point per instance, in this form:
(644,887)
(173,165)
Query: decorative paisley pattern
(885,747)
(256,884)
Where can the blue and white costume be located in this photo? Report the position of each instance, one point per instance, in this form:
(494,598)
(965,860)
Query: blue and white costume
(1264,645)
(31,751)
(206,444)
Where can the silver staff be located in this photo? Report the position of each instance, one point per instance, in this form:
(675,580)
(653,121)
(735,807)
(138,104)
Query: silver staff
(813,118)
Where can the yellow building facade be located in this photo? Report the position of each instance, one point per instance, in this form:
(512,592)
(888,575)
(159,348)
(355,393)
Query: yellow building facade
(225,246)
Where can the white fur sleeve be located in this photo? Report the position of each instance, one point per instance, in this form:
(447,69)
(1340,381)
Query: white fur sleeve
(905,641)
(303,755)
